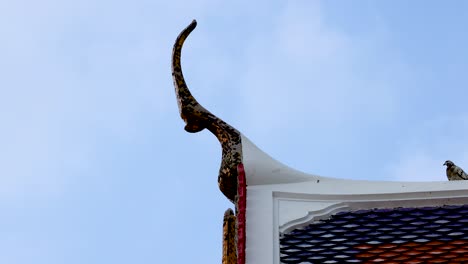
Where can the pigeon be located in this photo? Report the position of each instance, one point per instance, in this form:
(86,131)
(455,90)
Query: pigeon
(455,173)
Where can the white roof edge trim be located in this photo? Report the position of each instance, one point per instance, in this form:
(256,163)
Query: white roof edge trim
(262,169)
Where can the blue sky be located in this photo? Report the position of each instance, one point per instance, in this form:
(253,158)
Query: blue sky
(95,165)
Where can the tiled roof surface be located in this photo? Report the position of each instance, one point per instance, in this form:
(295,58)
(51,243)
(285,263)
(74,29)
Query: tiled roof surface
(399,235)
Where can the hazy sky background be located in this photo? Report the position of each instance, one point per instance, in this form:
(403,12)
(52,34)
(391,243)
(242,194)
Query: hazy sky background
(95,166)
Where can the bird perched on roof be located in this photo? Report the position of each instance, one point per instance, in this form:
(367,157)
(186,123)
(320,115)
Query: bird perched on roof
(455,173)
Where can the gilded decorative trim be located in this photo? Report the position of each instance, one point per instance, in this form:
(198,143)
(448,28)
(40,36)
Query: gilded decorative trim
(229,238)
(198,118)
(241,208)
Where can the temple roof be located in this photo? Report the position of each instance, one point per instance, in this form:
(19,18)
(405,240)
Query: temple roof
(284,215)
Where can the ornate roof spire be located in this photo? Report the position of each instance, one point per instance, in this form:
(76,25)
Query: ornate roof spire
(198,118)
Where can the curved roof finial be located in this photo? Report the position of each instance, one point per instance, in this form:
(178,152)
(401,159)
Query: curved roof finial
(197,118)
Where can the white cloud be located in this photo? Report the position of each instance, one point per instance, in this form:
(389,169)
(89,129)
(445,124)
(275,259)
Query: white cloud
(428,146)
(417,166)
(306,72)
